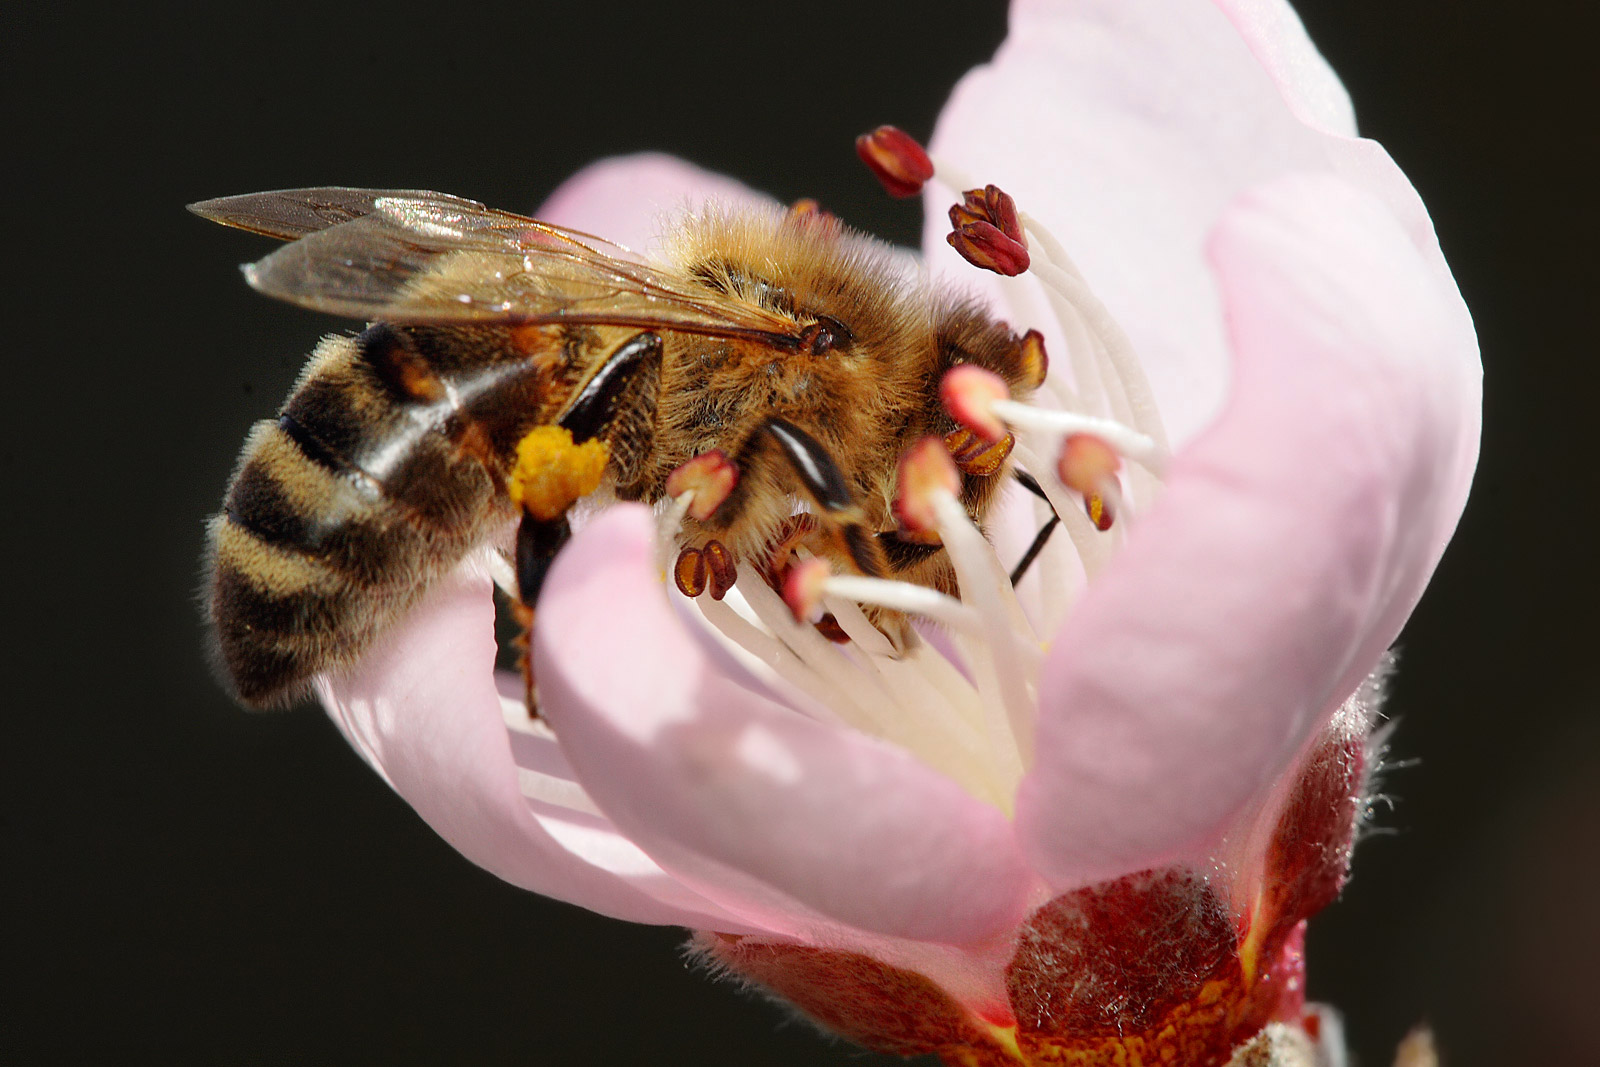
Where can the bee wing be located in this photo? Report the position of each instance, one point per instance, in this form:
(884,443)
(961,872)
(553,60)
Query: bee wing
(289,214)
(428,257)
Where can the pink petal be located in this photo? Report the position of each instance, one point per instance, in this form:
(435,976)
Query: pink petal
(626,199)
(423,710)
(777,817)
(1125,127)
(1278,40)
(1292,541)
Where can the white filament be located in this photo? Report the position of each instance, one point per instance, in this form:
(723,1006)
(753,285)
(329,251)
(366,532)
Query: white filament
(973,722)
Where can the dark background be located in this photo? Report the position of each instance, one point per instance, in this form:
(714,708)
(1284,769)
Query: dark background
(186,883)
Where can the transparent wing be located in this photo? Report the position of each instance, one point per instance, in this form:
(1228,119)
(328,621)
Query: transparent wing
(429,257)
(289,214)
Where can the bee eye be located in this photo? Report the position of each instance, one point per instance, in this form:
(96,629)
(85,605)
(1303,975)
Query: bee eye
(825,335)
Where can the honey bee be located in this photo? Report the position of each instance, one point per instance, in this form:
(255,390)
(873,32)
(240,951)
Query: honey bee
(806,354)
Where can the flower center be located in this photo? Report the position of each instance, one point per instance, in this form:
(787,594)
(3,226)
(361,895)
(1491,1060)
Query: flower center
(963,696)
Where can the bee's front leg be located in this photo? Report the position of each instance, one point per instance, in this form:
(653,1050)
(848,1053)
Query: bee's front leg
(819,475)
(557,465)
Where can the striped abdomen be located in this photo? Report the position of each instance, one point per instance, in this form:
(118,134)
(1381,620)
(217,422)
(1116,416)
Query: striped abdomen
(385,467)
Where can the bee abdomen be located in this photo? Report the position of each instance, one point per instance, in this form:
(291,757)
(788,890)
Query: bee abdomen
(340,514)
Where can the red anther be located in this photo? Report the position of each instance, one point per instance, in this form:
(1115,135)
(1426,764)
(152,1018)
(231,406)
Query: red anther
(895,159)
(719,561)
(690,572)
(1035,361)
(1087,463)
(993,205)
(710,476)
(1099,512)
(975,456)
(983,245)
(802,588)
(968,394)
(926,470)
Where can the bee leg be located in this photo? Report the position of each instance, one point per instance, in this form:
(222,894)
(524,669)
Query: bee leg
(538,541)
(1028,482)
(557,465)
(824,483)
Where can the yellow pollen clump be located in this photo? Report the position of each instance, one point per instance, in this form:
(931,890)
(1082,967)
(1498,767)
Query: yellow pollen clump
(553,471)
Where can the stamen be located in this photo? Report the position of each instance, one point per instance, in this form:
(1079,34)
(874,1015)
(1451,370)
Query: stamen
(710,476)
(987,232)
(1060,274)
(723,570)
(809,214)
(1099,514)
(899,596)
(668,525)
(967,393)
(1087,463)
(1137,446)
(802,588)
(990,204)
(973,455)
(690,573)
(1010,709)
(984,245)
(896,160)
(1034,359)
(1092,550)
(926,471)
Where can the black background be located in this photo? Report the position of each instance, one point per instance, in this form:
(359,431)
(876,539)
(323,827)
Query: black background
(186,883)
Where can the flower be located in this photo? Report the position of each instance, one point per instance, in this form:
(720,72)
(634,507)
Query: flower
(1107,847)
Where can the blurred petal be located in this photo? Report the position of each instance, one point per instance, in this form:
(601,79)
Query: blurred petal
(1278,40)
(423,710)
(750,802)
(1294,538)
(626,198)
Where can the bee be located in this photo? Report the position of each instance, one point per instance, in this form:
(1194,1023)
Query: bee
(805,356)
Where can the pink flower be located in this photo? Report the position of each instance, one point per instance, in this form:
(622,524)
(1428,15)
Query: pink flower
(1108,844)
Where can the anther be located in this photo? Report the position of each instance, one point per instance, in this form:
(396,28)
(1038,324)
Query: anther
(1035,361)
(803,588)
(993,205)
(984,246)
(710,477)
(977,457)
(968,394)
(1087,463)
(721,568)
(809,214)
(896,160)
(1099,511)
(689,572)
(926,470)
(987,231)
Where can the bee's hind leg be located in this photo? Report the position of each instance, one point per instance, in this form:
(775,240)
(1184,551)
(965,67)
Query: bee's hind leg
(606,423)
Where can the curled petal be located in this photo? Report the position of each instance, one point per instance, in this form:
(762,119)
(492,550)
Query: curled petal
(752,803)
(1294,538)
(1278,40)
(422,708)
